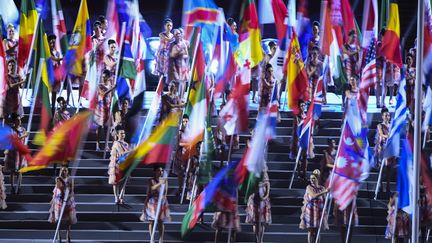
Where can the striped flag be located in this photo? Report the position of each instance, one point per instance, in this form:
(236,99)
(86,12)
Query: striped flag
(273,110)
(368,79)
(390,44)
(59,26)
(297,81)
(304,130)
(398,123)
(156,149)
(28,22)
(318,95)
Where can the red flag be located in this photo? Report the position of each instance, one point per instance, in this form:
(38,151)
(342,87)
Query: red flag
(390,44)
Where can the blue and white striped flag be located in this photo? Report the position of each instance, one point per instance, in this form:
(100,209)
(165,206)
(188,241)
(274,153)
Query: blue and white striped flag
(398,123)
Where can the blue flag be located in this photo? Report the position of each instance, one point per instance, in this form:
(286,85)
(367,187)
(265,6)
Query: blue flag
(405,183)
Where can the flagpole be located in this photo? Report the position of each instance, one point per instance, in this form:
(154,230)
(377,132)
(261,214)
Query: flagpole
(353,206)
(330,183)
(417,121)
(185,177)
(33,102)
(379,178)
(31,50)
(123,31)
(383,93)
(295,167)
(72,174)
(162,191)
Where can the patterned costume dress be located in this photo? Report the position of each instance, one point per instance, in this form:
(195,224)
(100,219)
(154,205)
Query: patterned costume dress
(312,209)
(410,80)
(56,64)
(103,106)
(351,61)
(178,67)
(11,103)
(69,214)
(380,142)
(166,106)
(258,209)
(162,55)
(3,204)
(267,84)
(117,150)
(397,225)
(150,206)
(12,49)
(110,63)
(314,75)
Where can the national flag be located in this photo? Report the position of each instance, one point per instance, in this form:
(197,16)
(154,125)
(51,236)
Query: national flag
(42,59)
(368,79)
(304,130)
(197,117)
(384,13)
(62,144)
(59,26)
(352,162)
(348,18)
(145,130)
(90,86)
(127,69)
(274,11)
(248,172)
(398,123)
(297,80)
(234,115)
(156,149)
(223,57)
(79,45)
(207,196)
(250,51)
(28,21)
(390,45)
(139,49)
(370,22)
(205,15)
(330,47)
(319,94)
(113,31)
(405,179)
(42,7)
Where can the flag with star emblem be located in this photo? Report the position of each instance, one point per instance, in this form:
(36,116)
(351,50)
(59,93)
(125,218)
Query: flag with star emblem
(368,79)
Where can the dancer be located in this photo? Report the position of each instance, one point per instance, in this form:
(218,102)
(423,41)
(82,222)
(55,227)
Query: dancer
(119,148)
(10,43)
(162,54)
(313,206)
(63,182)
(151,203)
(342,218)
(267,83)
(328,160)
(103,106)
(169,102)
(398,222)
(56,60)
(258,211)
(178,63)
(3,204)
(61,115)
(14,82)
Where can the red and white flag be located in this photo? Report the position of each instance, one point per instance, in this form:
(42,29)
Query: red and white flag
(3,79)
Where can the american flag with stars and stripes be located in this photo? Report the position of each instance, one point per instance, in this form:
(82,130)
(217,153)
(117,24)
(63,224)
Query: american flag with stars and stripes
(368,79)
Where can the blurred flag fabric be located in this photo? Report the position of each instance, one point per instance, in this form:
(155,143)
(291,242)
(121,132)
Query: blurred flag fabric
(390,44)
(62,144)
(212,193)
(405,178)
(370,22)
(398,123)
(156,149)
(59,26)
(28,21)
(368,79)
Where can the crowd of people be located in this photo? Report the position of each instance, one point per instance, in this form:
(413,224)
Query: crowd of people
(173,67)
